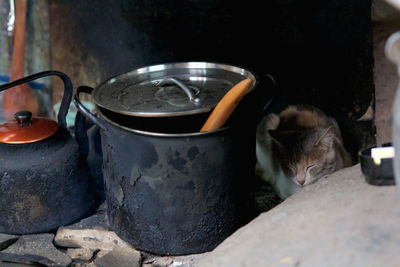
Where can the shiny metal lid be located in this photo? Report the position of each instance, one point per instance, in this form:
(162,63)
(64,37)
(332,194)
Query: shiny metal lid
(173,89)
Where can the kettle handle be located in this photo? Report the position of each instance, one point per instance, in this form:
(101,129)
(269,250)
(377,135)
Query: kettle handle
(85,112)
(67,96)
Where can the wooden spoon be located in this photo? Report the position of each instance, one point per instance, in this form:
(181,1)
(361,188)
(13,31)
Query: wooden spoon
(20,97)
(226,106)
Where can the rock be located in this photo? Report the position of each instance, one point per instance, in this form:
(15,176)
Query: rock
(97,221)
(96,254)
(6,240)
(80,254)
(338,221)
(12,264)
(91,233)
(161,262)
(386,82)
(82,264)
(102,207)
(166,261)
(31,249)
(101,253)
(89,239)
(121,257)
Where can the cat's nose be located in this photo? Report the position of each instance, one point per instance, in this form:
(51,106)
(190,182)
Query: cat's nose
(301,182)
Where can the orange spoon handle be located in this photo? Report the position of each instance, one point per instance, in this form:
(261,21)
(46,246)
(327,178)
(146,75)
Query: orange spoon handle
(226,106)
(17,64)
(20,97)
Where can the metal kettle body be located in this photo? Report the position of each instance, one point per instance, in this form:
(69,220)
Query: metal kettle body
(44,184)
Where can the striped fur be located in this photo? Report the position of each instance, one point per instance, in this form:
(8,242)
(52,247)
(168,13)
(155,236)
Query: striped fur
(298,147)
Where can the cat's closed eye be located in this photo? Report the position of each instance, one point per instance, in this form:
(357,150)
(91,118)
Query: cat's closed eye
(313,170)
(309,167)
(290,171)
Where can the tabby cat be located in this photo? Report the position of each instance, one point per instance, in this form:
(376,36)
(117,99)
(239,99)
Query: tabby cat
(297,147)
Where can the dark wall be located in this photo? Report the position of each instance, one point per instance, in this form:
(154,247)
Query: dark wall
(320,52)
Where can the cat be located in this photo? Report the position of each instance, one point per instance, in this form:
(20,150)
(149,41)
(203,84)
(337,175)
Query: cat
(297,147)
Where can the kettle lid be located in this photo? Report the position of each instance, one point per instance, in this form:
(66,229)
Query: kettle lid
(26,129)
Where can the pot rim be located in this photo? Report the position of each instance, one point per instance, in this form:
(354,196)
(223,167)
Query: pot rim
(170,135)
(171,65)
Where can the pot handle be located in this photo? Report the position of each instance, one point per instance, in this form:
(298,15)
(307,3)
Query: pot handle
(85,112)
(269,79)
(66,100)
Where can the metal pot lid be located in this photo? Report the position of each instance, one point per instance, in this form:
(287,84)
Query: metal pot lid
(26,129)
(173,89)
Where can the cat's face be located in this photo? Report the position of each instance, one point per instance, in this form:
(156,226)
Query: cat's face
(308,169)
(306,161)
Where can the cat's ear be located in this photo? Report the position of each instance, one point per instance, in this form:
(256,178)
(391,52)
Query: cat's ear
(325,138)
(271,121)
(283,138)
(275,136)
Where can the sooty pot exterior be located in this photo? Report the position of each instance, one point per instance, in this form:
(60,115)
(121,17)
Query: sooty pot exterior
(43,185)
(174,195)
(170,189)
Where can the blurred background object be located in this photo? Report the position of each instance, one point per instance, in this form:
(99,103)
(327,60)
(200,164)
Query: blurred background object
(315,57)
(32,57)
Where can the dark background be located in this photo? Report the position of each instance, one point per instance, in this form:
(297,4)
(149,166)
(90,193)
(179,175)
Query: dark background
(320,52)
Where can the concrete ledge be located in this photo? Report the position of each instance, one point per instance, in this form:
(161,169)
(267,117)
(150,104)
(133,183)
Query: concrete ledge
(338,221)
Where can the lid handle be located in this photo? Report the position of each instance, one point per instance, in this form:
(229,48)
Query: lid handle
(181,85)
(23,118)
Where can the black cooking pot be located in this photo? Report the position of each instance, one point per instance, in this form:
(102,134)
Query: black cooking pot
(171,189)
(43,174)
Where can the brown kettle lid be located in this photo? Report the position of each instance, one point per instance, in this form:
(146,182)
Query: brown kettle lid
(26,129)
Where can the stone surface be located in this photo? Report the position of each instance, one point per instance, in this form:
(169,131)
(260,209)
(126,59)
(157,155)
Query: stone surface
(386,21)
(169,261)
(35,249)
(97,221)
(13,264)
(82,264)
(338,221)
(96,255)
(80,254)
(386,80)
(121,257)
(101,253)
(90,233)
(6,240)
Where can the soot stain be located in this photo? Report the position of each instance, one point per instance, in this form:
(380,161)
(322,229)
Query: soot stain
(176,161)
(192,152)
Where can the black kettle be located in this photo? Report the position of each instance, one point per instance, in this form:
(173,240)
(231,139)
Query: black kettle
(44,177)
